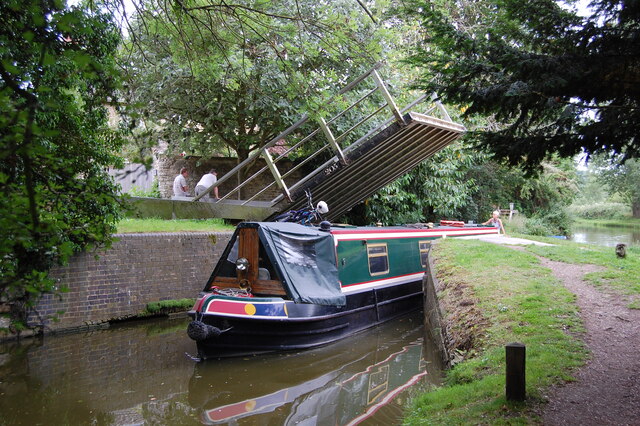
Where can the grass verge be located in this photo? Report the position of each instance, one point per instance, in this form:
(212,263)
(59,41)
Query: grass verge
(619,276)
(627,222)
(519,300)
(177,225)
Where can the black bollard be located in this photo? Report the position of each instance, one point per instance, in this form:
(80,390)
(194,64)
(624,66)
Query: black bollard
(516,383)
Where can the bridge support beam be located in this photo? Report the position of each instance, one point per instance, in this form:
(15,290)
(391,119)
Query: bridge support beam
(276,174)
(387,96)
(332,140)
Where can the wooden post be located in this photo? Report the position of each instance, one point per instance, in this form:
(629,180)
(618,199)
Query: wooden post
(516,383)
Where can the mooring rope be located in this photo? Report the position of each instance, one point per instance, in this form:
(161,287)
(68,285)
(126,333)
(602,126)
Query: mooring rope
(233,292)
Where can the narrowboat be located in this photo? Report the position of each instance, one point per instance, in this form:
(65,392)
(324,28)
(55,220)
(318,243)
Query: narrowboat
(285,286)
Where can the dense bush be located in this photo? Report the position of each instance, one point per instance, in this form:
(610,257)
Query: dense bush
(600,211)
(557,221)
(553,222)
(536,226)
(153,192)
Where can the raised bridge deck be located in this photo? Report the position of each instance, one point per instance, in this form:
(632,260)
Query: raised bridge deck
(380,144)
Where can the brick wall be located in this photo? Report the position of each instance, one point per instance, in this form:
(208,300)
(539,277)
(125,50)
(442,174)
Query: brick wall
(138,269)
(169,167)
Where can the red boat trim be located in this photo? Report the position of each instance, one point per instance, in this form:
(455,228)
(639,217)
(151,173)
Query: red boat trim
(399,234)
(247,308)
(337,231)
(263,404)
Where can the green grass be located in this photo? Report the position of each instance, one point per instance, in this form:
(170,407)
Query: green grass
(627,222)
(521,301)
(178,225)
(620,276)
(166,306)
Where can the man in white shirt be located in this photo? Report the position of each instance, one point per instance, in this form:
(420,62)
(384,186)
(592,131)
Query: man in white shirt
(205,182)
(180,187)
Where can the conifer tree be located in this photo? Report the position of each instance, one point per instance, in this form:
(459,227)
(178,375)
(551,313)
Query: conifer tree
(553,81)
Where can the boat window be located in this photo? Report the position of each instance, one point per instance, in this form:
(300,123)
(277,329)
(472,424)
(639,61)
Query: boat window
(233,253)
(378,258)
(424,252)
(228,268)
(298,252)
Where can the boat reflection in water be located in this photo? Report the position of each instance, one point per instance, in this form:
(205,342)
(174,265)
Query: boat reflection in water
(343,383)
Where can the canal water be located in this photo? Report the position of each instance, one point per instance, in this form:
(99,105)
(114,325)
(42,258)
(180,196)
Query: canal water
(606,236)
(140,374)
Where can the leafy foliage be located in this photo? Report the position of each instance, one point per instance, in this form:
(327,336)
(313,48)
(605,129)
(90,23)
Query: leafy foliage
(435,189)
(56,75)
(153,192)
(499,185)
(208,76)
(461,183)
(600,211)
(552,81)
(624,179)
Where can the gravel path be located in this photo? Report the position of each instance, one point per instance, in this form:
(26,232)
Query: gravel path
(607,388)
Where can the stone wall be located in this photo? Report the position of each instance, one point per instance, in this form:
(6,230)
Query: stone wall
(433,324)
(138,269)
(169,167)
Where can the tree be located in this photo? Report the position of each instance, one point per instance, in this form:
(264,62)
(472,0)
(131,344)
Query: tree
(461,183)
(57,73)
(623,178)
(553,81)
(207,75)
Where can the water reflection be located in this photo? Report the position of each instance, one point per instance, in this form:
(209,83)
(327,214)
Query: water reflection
(339,384)
(606,236)
(140,375)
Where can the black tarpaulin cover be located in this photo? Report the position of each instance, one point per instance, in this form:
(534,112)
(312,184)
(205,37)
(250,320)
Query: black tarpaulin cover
(306,261)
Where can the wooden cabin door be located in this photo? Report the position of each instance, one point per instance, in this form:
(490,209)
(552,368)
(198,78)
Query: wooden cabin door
(248,247)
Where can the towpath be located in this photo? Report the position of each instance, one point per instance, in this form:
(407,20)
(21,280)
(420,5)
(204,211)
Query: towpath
(607,389)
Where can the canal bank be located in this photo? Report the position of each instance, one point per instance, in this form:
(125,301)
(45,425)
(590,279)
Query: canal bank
(138,269)
(492,295)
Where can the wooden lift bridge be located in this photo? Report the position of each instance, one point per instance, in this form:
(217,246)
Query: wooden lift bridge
(377,143)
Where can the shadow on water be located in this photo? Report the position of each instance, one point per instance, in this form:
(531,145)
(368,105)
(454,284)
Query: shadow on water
(140,374)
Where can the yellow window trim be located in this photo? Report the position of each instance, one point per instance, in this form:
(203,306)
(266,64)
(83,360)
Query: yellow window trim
(370,255)
(424,250)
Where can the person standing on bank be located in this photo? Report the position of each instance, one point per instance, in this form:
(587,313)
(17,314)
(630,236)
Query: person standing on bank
(495,221)
(205,182)
(180,187)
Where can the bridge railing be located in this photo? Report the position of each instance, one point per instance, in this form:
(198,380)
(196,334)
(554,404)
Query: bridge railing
(335,146)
